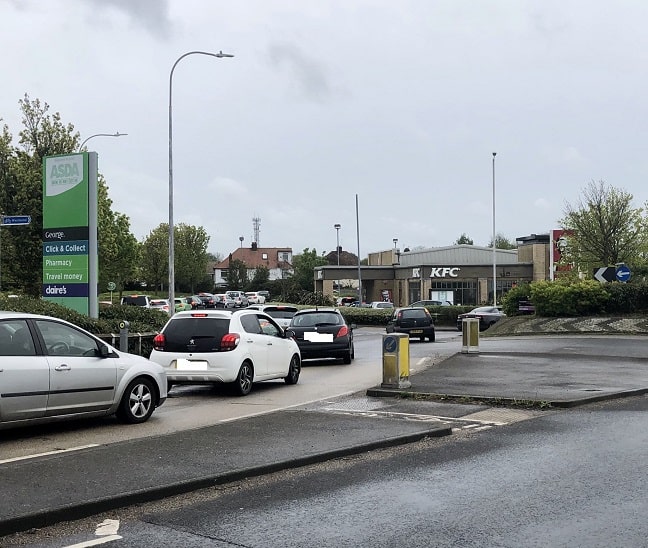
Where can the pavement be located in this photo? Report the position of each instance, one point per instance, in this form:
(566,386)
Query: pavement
(521,373)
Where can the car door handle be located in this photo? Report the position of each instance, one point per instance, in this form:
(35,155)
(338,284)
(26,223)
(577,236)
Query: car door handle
(63,367)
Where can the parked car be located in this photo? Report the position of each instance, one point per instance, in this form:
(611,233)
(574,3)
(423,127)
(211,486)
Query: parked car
(381,304)
(415,321)
(345,301)
(52,370)
(281,313)
(160,304)
(254,297)
(137,300)
(239,298)
(223,301)
(182,303)
(431,303)
(323,333)
(196,302)
(265,294)
(207,300)
(239,347)
(487,316)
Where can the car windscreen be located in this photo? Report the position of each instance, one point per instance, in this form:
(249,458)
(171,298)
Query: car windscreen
(195,334)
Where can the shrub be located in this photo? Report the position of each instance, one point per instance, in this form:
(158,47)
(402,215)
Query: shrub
(513,297)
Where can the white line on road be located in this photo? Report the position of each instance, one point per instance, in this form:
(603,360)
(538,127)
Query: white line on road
(55,452)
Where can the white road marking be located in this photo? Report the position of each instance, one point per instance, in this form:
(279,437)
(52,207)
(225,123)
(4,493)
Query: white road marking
(107,527)
(55,452)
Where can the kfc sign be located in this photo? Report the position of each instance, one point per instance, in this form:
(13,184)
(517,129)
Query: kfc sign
(445,272)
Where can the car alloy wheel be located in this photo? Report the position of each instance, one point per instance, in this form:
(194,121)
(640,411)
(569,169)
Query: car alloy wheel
(294,369)
(138,402)
(243,383)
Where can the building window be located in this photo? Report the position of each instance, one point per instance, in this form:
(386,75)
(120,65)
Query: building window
(464,293)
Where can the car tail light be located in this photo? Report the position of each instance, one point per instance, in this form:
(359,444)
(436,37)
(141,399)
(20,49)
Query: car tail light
(343,332)
(230,341)
(159,341)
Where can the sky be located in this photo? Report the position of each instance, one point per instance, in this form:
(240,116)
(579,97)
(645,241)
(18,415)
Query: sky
(396,107)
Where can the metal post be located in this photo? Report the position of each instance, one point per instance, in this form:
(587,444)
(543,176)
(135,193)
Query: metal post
(337,228)
(116,134)
(359,269)
(494,247)
(171,242)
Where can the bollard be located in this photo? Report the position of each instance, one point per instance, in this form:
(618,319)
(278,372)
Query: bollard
(396,361)
(470,335)
(123,336)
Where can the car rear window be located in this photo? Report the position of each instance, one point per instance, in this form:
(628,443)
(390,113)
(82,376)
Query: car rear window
(281,313)
(311,319)
(205,332)
(407,314)
(135,300)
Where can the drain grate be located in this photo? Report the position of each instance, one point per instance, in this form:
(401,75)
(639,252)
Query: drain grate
(500,416)
(354,404)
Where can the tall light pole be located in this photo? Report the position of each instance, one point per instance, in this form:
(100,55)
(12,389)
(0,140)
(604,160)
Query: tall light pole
(116,134)
(219,55)
(337,228)
(494,247)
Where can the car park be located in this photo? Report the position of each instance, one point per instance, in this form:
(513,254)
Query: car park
(414,321)
(238,297)
(238,347)
(254,297)
(137,300)
(54,370)
(487,316)
(323,333)
(160,304)
(282,314)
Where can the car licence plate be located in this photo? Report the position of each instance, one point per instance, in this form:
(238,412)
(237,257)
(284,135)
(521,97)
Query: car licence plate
(416,331)
(191,365)
(318,337)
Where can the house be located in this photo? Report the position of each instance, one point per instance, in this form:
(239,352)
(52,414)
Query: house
(278,261)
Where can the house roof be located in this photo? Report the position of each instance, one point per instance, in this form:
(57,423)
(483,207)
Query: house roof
(254,257)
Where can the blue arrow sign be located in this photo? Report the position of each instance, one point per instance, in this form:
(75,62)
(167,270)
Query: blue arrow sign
(623,273)
(16,219)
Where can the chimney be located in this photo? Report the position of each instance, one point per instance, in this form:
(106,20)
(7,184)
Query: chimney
(254,246)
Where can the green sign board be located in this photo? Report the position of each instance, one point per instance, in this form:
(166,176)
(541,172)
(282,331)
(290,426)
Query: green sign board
(70,231)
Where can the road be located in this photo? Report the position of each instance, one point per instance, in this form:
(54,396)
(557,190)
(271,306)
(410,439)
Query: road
(567,478)
(196,406)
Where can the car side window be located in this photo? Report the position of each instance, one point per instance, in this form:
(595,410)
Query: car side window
(251,324)
(268,327)
(16,339)
(63,340)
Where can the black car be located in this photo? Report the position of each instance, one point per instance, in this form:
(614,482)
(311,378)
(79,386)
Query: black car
(208,300)
(487,316)
(415,321)
(323,333)
(196,302)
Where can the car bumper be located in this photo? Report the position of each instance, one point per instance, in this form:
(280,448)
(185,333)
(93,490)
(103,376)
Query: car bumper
(314,350)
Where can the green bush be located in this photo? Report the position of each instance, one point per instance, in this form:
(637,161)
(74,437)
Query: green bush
(558,298)
(511,300)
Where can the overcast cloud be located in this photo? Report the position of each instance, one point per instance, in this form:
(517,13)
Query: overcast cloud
(400,103)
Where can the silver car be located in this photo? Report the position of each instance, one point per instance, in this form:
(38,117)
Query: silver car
(51,369)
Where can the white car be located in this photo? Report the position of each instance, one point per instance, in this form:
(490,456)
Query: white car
(51,369)
(238,297)
(239,347)
(254,297)
(381,304)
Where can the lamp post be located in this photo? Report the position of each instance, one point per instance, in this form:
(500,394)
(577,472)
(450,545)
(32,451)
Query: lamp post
(494,248)
(116,134)
(395,240)
(219,55)
(337,228)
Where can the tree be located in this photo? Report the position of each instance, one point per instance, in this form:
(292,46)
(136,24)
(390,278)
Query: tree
(304,267)
(606,228)
(260,278)
(154,263)
(190,255)
(237,275)
(502,242)
(463,239)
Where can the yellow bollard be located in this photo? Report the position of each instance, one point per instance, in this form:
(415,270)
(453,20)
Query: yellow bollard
(396,368)
(470,336)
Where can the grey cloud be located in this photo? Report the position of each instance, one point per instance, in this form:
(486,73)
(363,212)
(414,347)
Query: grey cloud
(150,14)
(310,74)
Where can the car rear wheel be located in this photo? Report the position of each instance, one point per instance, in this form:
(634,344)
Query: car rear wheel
(294,369)
(138,402)
(348,356)
(432,337)
(242,386)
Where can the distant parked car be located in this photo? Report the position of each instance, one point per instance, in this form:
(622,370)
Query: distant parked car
(345,301)
(196,302)
(415,321)
(381,304)
(137,300)
(207,299)
(182,303)
(431,303)
(323,333)
(160,304)
(223,301)
(237,347)
(281,313)
(265,294)
(239,298)
(52,369)
(487,316)
(254,297)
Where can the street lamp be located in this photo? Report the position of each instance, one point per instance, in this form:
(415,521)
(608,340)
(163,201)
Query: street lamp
(395,240)
(494,249)
(337,228)
(219,55)
(116,134)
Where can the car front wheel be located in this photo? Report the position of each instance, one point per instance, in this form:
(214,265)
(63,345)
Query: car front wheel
(242,386)
(138,402)
(294,369)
